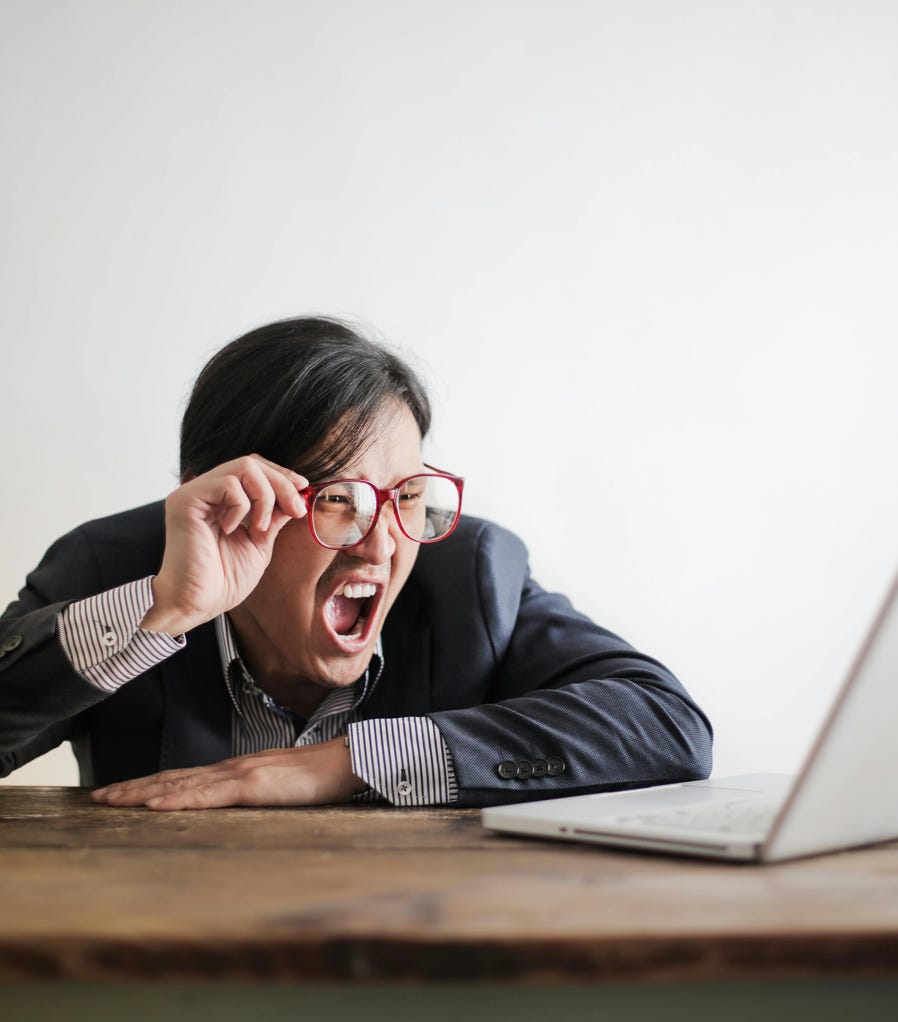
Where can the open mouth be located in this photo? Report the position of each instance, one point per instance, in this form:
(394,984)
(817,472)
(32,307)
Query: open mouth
(350,612)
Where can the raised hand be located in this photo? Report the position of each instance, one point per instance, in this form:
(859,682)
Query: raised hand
(220,529)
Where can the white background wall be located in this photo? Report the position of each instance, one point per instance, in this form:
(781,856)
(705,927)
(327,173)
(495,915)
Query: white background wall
(643,251)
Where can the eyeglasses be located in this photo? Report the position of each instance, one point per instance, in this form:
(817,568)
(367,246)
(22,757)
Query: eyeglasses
(344,512)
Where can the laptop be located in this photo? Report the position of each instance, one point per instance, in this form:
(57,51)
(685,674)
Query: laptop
(844,795)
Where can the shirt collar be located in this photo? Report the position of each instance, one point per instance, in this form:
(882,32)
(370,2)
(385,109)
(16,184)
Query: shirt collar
(336,701)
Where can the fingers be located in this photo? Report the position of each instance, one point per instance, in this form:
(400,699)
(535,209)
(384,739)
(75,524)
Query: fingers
(241,780)
(286,485)
(200,788)
(255,493)
(250,491)
(293,776)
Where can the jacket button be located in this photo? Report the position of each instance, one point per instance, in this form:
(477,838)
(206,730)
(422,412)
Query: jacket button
(507,769)
(13,642)
(524,769)
(540,768)
(554,766)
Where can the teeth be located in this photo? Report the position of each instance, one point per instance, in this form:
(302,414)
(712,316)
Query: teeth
(357,592)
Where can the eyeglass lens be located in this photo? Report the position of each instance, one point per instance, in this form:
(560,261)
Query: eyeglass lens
(427,506)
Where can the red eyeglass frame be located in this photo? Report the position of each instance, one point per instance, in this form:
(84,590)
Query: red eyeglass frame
(387,496)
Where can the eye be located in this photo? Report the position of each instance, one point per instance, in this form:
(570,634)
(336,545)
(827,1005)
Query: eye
(411,493)
(334,504)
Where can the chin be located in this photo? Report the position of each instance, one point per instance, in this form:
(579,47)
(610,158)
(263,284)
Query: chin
(343,673)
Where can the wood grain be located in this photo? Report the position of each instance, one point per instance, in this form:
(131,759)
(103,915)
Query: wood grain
(370,893)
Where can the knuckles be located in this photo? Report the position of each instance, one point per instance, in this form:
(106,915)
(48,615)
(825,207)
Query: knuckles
(246,464)
(228,483)
(204,792)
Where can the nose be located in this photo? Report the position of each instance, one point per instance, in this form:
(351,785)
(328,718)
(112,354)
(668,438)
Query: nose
(380,544)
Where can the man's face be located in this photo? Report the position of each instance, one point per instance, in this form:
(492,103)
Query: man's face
(301,625)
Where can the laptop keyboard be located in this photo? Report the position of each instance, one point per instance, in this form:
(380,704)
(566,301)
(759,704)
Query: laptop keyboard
(741,816)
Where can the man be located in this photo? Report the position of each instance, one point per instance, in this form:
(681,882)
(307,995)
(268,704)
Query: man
(307,619)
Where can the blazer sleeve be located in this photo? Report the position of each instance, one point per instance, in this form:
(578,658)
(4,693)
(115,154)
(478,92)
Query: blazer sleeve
(41,695)
(571,707)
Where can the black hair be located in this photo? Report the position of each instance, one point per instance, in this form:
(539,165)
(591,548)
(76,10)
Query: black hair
(307,393)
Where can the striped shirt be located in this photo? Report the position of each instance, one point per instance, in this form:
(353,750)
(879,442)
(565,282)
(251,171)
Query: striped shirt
(403,759)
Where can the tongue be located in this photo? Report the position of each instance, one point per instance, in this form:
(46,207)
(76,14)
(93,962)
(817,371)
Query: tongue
(344,613)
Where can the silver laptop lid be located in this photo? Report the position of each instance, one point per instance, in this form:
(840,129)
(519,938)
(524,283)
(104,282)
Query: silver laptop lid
(845,793)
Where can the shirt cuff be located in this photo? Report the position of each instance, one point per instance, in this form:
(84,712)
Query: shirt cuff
(404,759)
(103,640)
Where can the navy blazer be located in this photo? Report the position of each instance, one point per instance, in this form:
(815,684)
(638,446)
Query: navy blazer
(510,674)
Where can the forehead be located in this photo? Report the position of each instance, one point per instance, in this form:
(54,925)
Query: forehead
(393,449)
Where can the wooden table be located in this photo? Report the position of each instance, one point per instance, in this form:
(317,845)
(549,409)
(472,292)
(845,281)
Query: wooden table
(379,915)
(378,894)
